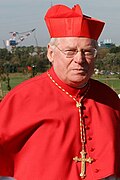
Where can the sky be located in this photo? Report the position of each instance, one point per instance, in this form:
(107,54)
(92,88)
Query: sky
(24,15)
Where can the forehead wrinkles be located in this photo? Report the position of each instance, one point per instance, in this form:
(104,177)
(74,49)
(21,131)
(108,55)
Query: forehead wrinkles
(75,42)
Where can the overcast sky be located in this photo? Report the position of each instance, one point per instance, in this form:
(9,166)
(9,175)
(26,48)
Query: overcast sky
(24,15)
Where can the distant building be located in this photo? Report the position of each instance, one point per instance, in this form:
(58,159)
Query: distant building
(107,43)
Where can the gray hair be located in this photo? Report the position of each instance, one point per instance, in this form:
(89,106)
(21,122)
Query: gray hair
(54,41)
(94,43)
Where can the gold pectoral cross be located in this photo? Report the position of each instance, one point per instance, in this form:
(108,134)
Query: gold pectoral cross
(83,161)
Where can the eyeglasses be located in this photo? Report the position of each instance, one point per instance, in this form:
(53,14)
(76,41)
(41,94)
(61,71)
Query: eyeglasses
(87,53)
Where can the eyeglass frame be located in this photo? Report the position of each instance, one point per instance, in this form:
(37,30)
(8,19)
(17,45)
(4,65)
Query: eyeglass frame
(76,51)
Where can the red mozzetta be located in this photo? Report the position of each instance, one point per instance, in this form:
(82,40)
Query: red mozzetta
(40,134)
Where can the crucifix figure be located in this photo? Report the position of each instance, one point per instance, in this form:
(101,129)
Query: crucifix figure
(83,161)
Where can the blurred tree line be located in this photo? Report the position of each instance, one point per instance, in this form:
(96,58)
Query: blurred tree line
(23,58)
(108,60)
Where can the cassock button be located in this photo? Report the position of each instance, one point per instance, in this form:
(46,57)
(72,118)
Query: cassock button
(92,149)
(89,138)
(87,127)
(97,170)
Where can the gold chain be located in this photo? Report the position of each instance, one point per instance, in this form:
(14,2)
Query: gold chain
(83,153)
(78,105)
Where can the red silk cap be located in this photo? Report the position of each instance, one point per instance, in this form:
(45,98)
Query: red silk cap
(65,22)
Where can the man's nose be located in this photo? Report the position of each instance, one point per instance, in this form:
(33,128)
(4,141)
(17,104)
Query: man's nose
(79,57)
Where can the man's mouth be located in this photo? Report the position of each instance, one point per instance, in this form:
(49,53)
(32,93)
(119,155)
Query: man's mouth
(79,70)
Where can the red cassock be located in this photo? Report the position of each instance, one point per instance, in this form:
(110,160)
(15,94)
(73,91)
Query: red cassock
(40,133)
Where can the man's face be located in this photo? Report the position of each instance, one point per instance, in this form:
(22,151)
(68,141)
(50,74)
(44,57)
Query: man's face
(75,69)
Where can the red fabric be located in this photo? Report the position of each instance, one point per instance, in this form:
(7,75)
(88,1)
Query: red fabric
(65,22)
(39,131)
(29,68)
(91,28)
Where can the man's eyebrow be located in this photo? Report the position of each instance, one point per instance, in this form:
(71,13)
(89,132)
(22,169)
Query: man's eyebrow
(70,48)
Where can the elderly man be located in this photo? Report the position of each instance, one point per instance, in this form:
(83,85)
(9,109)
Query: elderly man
(63,125)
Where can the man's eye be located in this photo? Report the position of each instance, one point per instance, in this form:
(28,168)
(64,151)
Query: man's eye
(71,52)
(88,52)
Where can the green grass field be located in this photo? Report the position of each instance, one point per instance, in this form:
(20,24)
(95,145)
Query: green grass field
(17,78)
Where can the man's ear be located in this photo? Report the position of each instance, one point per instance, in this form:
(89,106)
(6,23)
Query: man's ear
(50,53)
